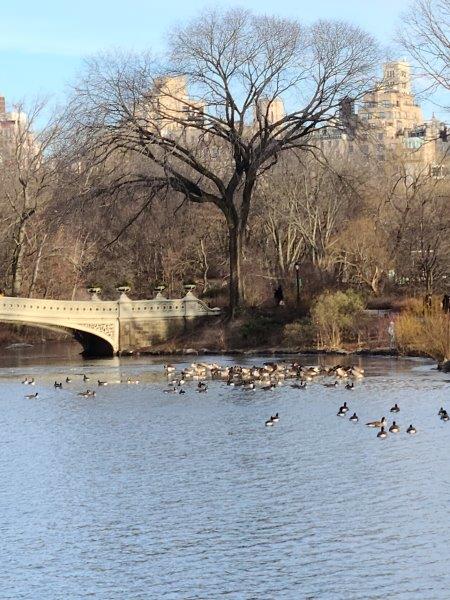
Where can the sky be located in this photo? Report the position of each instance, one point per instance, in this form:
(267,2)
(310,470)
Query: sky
(43,42)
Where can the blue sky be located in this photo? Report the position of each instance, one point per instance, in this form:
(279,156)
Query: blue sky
(43,42)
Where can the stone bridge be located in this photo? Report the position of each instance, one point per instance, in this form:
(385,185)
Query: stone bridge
(105,328)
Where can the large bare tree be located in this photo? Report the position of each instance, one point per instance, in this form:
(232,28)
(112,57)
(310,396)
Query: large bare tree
(425,35)
(208,120)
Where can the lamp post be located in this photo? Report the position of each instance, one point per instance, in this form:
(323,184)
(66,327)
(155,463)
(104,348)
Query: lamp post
(297,275)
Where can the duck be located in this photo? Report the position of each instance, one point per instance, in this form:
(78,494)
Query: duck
(57,385)
(382,433)
(344,408)
(270,422)
(394,428)
(31,396)
(411,430)
(275,418)
(378,424)
(102,382)
(354,418)
(395,408)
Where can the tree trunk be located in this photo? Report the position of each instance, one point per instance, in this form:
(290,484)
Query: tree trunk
(235,252)
(17,261)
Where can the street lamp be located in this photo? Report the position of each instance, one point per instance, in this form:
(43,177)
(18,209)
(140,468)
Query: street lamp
(297,274)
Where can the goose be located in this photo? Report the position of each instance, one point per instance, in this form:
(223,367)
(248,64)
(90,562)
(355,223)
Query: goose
(102,382)
(169,368)
(31,396)
(202,389)
(378,424)
(382,433)
(394,428)
(444,416)
(349,386)
(25,381)
(411,430)
(86,394)
(132,381)
(85,377)
(270,422)
(275,418)
(354,418)
(344,408)
(441,412)
(170,391)
(68,380)
(331,385)
(341,413)
(57,385)
(182,391)
(395,408)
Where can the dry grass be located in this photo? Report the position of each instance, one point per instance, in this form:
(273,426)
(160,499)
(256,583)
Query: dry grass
(427,333)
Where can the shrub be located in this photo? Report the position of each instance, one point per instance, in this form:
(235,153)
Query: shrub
(427,333)
(299,333)
(259,329)
(336,315)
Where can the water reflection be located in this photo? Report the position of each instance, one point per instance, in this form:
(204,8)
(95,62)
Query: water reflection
(141,494)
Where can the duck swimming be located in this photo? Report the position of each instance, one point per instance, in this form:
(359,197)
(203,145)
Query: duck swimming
(394,428)
(395,408)
(382,433)
(378,424)
(354,418)
(411,430)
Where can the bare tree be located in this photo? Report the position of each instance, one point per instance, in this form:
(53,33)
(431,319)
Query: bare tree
(26,177)
(425,35)
(210,121)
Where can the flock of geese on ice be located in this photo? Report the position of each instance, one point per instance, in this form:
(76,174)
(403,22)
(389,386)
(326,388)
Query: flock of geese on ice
(266,377)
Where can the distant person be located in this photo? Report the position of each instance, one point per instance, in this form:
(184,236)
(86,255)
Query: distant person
(446,304)
(278,296)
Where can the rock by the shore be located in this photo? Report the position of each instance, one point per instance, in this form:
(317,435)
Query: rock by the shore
(444,366)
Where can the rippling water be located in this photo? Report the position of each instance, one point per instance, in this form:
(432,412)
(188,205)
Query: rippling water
(138,494)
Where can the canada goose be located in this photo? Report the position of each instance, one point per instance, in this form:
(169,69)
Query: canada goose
(170,391)
(169,368)
(444,416)
(395,408)
(182,391)
(299,386)
(349,386)
(249,386)
(341,413)
(344,408)
(270,422)
(411,430)
(30,396)
(25,381)
(87,394)
(68,380)
(275,418)
(85,377)
(378,424)
(394,428)
(382,433)
(354,418)
(132,381)
(441,412)
(57,385)
(331,385)
(102,382)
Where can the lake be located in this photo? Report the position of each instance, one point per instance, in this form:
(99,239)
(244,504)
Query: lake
(138,494)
